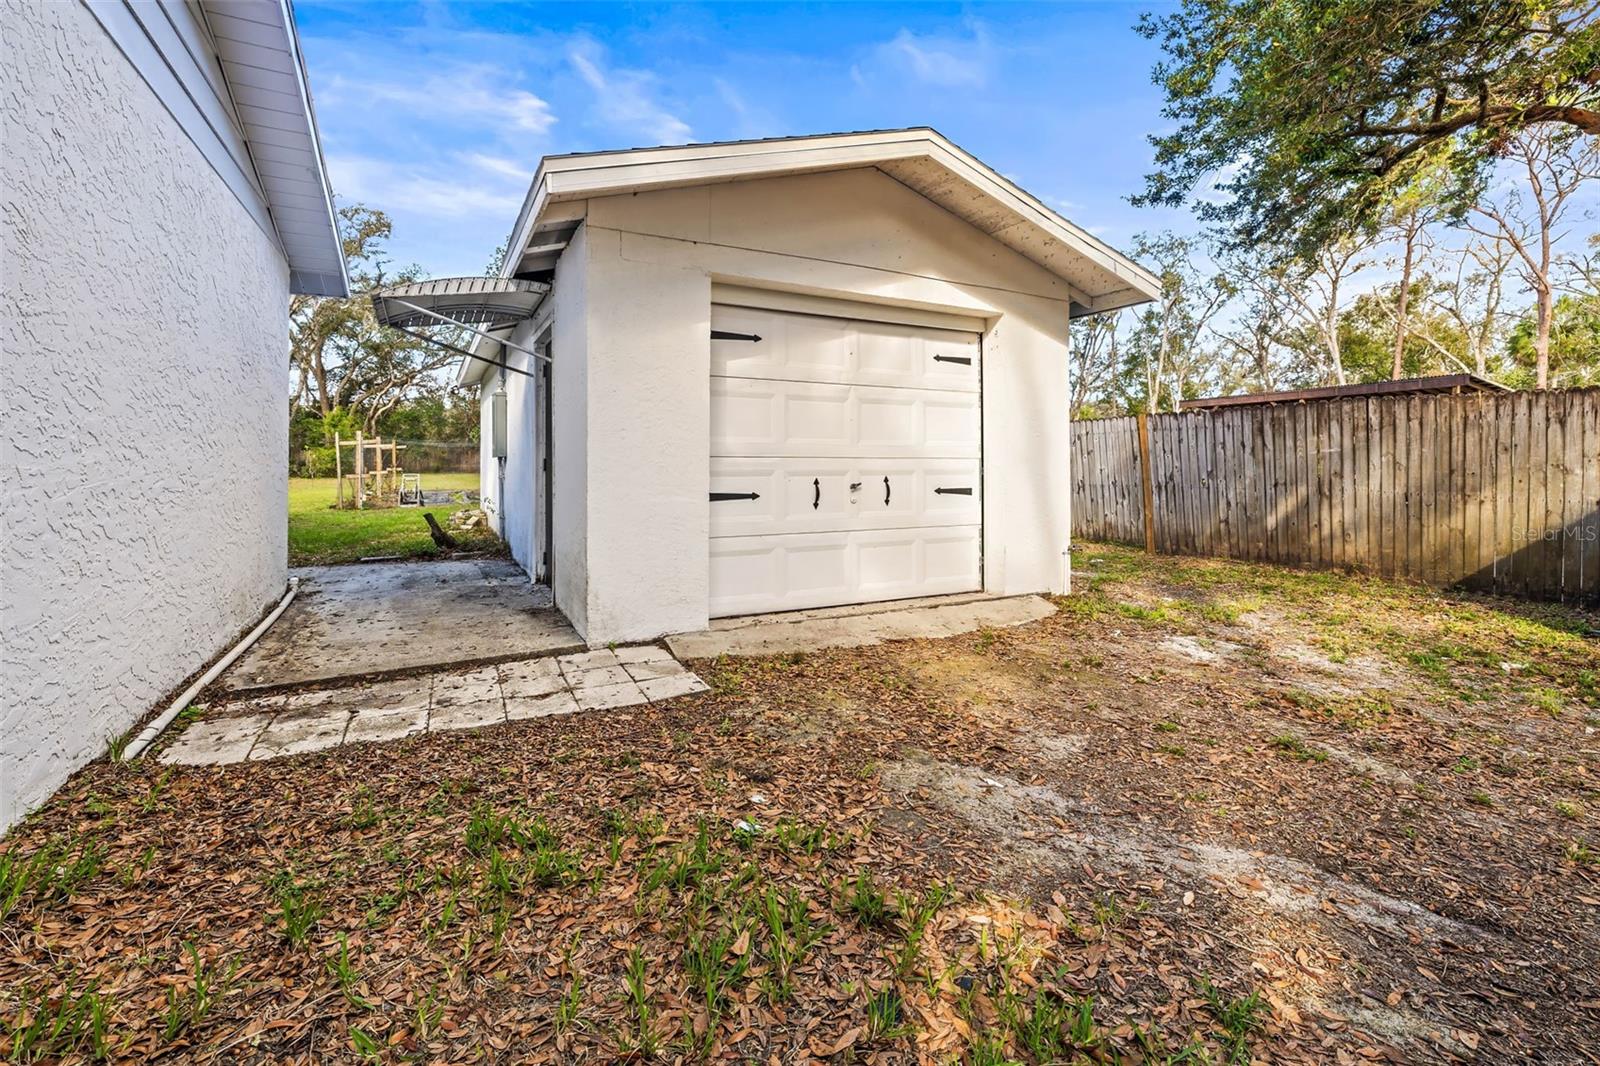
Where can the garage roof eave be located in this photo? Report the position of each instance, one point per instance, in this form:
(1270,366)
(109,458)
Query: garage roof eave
(919,157)
(256,40)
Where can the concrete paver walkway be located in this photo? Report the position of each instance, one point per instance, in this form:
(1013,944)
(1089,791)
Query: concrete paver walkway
(311,719)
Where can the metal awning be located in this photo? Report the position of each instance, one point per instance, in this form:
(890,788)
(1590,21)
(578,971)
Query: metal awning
(476,305)
(483,302)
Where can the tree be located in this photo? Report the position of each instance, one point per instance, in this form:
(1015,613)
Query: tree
(1094,358)
(342,358)
(1411,212)
(1165,348)
(1306,300)
(1471,302)
(1432,342)
(1312,117)
(1554,164)
(1574,348)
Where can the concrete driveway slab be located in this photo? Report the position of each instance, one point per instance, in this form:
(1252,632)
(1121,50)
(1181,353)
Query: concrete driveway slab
(293,735)
(648,671)
(522,708)
(666,688)
(370,619)
(857,626)
(481,684)
(602,677)
(467,715)
(218,740)
(529,678)
(605,697)
(377,725)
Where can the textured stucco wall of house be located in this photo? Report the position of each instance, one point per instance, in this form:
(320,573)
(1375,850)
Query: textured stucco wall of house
(144,380)
(632,375)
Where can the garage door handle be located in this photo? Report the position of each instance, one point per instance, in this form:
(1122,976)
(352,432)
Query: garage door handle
(952,492)
(816,487)
(718,497)
(886,492)
(964,360)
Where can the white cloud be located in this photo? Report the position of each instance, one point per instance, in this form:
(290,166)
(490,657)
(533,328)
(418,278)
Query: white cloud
(626,98)
(506,168)
(941,60)
(382,184)
(467,93)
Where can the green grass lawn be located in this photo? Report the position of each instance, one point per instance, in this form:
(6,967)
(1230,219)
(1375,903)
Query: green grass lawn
(319,534)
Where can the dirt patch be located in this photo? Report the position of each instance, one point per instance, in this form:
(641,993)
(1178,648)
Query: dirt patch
(1197,650)
(1007,807)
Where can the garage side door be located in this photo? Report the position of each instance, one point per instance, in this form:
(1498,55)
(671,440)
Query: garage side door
(845,461)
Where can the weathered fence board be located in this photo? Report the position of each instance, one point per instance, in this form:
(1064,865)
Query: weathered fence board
(1490,491)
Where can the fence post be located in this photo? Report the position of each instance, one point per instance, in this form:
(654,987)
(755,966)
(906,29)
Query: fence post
(1148,485)
(338,470)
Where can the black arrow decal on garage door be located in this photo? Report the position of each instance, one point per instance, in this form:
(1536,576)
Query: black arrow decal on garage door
(718,497)
(724,335)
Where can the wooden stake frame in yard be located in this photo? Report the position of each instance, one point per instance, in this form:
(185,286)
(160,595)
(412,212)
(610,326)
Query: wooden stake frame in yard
(385,480)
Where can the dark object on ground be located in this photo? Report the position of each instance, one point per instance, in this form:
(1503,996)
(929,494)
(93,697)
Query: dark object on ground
(440,537)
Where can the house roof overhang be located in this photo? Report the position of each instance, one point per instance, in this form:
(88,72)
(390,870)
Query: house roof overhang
(259,53)
(924,160)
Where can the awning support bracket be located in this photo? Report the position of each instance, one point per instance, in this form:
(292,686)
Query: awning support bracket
(470,329)
(447,346)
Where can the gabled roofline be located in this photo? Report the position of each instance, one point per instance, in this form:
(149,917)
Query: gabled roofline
(583,175)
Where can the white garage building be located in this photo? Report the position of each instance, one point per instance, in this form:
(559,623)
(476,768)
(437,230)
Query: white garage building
(783,374)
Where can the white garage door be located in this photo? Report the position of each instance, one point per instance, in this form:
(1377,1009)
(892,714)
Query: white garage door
(845,461)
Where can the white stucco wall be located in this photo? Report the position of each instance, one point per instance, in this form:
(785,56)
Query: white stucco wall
(636,520)
(515,521)
(571,404)
(144,379)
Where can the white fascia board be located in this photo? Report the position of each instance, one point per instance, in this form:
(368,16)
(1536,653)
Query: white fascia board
(561,179)
(262,63)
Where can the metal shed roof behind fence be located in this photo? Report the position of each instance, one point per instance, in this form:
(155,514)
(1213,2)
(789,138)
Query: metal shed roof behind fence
(1436,384)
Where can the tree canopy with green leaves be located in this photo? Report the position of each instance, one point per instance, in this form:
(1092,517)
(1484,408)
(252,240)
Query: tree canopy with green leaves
(1310,118)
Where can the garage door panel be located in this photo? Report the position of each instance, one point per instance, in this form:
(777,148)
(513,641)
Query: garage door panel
(817,420)
(841,351)
(756,417)
(798,495)
(779,573)
(916,357)
(795,496)
(791,347)
(910,497)
(951,427)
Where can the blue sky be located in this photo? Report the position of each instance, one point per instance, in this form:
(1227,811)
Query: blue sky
(438,112)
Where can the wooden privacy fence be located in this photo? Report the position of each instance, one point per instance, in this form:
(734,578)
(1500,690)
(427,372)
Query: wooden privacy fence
(1495,491)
